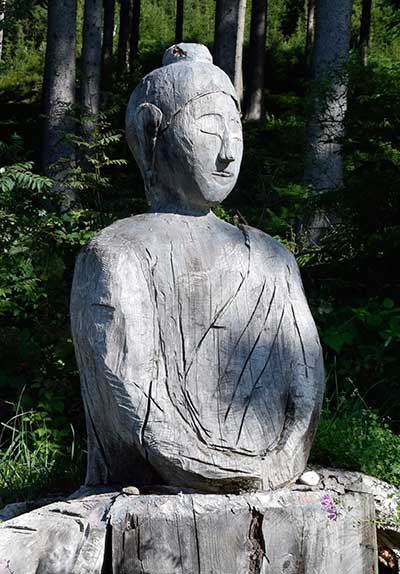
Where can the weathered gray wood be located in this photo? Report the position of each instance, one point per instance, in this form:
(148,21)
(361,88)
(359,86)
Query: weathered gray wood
(210,373)
(15,509)
(61,538)
(199,359)
(284,532)
(267,533)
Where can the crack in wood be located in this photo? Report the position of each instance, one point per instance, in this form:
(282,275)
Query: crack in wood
(196,537)
(301,341)
(257,542)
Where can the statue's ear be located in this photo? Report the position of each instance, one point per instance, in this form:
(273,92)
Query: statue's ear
(148,120)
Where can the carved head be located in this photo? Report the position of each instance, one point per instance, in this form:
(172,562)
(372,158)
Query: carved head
(183,128)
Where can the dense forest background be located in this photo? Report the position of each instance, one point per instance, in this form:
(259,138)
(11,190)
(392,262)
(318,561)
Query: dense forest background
(49,210)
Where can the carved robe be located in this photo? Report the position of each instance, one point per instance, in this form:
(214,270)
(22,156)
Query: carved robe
(200,361)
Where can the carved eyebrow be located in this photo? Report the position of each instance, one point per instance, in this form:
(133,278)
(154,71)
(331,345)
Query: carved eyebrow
(197,97)
(209,114)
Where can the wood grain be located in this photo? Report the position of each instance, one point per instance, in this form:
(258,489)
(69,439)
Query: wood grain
(280,532)
(198,355)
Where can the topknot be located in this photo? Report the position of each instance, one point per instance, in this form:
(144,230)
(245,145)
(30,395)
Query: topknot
(187,52)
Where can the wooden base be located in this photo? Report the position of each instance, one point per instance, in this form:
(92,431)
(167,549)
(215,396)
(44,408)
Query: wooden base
(283,532)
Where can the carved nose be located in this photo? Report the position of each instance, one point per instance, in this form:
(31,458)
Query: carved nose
(226,152)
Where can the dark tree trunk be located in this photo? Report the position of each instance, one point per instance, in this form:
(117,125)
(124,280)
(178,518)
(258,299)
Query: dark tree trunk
(91,64)
(228,42)
(125,16)
(59,88)
(108,38)
(256,61)
(179,21)
(309,32)
(217,20)
(293,11)
(365,30)
(135,32)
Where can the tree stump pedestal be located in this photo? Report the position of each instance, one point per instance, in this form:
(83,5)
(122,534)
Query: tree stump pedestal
(287,531)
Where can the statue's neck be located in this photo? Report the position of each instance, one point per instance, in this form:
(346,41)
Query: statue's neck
(166,200)
(168,204)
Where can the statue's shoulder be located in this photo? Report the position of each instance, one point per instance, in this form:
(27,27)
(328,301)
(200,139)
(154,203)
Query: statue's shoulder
(266,247)
(122,236)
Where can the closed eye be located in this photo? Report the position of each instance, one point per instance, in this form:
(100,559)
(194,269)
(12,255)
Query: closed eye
(211,124)
(211,133)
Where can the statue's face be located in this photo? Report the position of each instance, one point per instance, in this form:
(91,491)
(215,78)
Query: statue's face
(202,149)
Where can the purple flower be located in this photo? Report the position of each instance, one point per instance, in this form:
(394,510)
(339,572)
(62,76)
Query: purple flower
(330,507)
(326,501)
(332,515)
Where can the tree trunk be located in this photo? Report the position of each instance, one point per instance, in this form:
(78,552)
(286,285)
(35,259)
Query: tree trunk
(135,33)
(125,16)
(256,61)
(324,162)
(228,43)
(108,38)
(179,21)
(91,64)
(365,30)
(2,14)
(309,32)
(59,88)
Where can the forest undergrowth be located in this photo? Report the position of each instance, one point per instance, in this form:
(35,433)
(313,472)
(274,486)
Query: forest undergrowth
(351,280)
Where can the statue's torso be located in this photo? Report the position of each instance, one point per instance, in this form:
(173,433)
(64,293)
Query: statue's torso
(198,327)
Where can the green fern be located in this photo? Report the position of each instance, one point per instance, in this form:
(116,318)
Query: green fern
(20,175)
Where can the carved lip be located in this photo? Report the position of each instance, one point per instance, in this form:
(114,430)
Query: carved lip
(223,173)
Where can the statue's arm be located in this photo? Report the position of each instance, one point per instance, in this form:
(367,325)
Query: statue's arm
(106,361)
(306,385)
(90,311)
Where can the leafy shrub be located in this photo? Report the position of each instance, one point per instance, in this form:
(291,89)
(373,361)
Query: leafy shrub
(353,436)
(37,252)
(38,248)
(36,455)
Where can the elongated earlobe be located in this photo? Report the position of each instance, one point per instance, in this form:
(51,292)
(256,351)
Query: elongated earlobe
(147,122)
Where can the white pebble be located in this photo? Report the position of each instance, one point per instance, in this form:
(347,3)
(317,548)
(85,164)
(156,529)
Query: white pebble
(310,478)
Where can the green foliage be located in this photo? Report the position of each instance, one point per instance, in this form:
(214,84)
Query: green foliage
(37,454)
(21,68)
(95,157)
(157,24)
(351,435)
(363,341)
(382,318)
(293,10)
(37,252)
